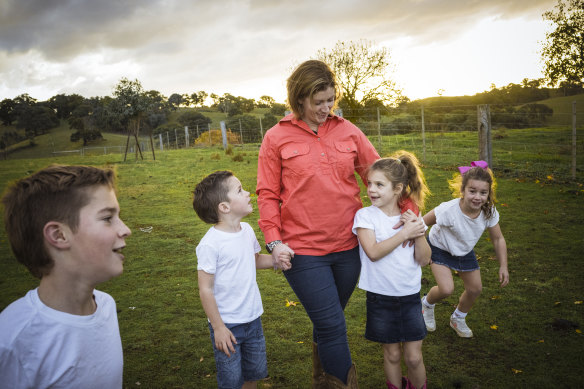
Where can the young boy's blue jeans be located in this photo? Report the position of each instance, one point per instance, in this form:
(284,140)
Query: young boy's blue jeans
(249,362)
(324,284)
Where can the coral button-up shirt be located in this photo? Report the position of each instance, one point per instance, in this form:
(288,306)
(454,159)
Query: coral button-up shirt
(307,190)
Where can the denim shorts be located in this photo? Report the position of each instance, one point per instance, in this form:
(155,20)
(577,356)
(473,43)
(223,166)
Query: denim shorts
(467,262)
(249,362)
(394,319)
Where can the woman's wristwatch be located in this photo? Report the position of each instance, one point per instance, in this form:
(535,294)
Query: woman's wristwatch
(270,246)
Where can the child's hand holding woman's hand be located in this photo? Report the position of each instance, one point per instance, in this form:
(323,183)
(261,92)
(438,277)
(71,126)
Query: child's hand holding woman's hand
(282,256)
(413,228)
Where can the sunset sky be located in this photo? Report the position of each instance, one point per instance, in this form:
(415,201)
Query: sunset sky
(248,48)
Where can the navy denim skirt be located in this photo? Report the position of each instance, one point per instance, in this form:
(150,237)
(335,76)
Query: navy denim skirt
(394,319)
(467,262)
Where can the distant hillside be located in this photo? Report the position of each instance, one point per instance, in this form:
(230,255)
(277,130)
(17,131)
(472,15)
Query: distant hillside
(562,107)
(58,141)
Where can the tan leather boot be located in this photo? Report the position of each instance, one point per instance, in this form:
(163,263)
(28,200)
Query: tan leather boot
(318,378)
(335,383)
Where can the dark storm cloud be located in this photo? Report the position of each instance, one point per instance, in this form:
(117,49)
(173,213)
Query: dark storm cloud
(85,46)
(64,28)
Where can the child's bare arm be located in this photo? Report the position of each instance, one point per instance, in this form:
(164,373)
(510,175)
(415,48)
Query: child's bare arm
(264,261)
(224,339)
(500,246)
(422,251)
(377,250)
(430,218)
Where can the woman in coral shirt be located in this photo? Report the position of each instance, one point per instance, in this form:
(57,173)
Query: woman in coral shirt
(307,197)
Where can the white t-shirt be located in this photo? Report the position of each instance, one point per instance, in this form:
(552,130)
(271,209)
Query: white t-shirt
(230,256)
(396,274)
(41,347)
(455,232)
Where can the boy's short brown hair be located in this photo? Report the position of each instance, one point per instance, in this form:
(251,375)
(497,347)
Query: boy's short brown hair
(56,193)
(209,193)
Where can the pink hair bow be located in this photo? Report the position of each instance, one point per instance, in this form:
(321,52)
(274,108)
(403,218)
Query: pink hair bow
(481,164)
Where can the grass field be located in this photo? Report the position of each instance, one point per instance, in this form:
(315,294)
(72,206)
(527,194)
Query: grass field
(519,338)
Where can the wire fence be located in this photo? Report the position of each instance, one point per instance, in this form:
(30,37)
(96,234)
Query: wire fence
(526,142)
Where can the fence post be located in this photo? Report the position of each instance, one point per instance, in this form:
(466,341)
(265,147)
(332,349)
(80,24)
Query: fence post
(186,137)
(175,139)
(379,128)
(240,132)
(423,136)
(261,130)
(223,134)
(573,140)
(210,134)
(484,127)
(160,139)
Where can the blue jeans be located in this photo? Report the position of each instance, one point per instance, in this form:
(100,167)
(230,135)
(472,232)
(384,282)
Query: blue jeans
(249,362)
(324,284)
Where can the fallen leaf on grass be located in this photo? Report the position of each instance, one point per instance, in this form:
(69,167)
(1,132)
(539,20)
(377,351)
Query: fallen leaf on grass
(494,327)
(578,331)
(516,371)
(300,342)
(495,297)
(289,303)
(578,302)
(201,360)
(540,341)
(557,303)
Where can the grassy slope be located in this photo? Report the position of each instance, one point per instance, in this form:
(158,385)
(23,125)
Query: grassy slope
(562,107)
(163,326)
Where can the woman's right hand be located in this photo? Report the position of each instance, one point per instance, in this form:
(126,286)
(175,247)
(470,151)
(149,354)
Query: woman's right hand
(282,256)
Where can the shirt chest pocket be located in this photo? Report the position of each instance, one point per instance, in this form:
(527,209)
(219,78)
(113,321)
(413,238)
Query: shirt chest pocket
(296,159)
(346,155)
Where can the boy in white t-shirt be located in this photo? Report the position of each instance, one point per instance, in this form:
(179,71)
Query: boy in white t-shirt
(64,225)
(227,259)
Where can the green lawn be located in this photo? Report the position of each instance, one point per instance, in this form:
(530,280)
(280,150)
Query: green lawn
(163,326)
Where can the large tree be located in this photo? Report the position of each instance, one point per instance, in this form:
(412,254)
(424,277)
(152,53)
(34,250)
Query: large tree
(363,71)
(131,104)
(563,50)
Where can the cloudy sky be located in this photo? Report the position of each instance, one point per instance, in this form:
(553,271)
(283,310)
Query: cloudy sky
(249,47)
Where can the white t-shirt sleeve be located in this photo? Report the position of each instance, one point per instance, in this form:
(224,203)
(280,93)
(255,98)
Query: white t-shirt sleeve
(252,237)
(362,221)
(494,220)
(207,256)
(443,215)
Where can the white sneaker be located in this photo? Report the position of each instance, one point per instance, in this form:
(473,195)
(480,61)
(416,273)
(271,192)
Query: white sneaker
(428,314)
(459,325)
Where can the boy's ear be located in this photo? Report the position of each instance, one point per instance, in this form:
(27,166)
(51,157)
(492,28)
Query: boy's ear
(224,207)
(56,235)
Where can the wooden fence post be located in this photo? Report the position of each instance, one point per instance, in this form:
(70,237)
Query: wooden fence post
(484,127)
(223,134)
(573,140)
(423,136)
(261,129)
(379,129)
